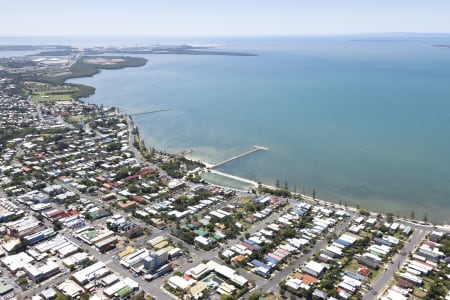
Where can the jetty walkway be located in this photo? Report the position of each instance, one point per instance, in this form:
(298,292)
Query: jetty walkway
(255,149)
(150,112)
(241,179)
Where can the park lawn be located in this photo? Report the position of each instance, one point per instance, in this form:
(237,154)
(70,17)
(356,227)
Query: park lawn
(78,118)
(246,199)
(60,97)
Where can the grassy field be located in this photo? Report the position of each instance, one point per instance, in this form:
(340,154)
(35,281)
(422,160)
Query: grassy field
(49,96)
(78,118)
(246,199)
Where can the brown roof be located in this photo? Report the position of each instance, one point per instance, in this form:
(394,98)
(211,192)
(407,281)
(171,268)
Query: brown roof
(138,198)
(308,279)
(239,258)
(404,284)
(126,204)
(100,178)
(26,169)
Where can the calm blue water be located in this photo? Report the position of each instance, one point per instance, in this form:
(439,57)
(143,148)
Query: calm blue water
(362,122)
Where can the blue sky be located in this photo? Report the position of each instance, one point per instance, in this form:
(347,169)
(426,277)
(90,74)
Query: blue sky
(221,18)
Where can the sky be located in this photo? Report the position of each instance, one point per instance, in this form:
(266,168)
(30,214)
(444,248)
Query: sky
(221,18)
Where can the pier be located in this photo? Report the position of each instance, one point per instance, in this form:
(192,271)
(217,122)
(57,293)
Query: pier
(237,178)
(255,149)
(150,112)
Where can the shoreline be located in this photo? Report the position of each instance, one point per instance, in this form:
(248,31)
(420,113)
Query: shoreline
(254,183)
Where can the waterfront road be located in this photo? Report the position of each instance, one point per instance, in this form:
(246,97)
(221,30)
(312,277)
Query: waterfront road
(379,286)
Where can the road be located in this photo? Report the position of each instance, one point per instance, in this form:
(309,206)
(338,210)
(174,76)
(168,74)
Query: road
(137,154)
(379,286)
(272,284)
(154,287)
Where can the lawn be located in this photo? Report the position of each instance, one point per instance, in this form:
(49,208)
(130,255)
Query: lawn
(419,293)
(353,266)
(246,199)
(78,118)
(49,96)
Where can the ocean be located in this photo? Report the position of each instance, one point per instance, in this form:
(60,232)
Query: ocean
(362,120)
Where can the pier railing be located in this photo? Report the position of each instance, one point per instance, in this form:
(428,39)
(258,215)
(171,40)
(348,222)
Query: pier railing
(255,149)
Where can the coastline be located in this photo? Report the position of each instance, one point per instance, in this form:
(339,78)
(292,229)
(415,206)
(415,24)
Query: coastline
(326,202)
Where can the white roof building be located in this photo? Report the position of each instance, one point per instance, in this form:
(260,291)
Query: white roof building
(120,285)
(70,288)
(199,271)
(87,274)
(178,282)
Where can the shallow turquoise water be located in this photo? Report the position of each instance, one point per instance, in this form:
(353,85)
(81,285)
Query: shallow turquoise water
(362,122)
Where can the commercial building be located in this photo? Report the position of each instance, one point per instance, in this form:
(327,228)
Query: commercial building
(25,226)
(5,288)
(122,288)
(38,274)
(39,236)
(134,258)
(94,271)
(180,283)
(70,288)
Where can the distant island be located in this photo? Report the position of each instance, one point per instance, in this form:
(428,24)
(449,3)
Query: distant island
(55,64)
(63,50)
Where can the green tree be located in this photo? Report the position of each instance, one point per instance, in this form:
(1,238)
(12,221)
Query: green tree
(85,296)
(390,217)
(314,193)
(61,296)
(277,184)
(133,189)
(286,186)
(138,296)
(57,225)
(39,217)
(425,217)
(413,215)
(364,212)
(254,296)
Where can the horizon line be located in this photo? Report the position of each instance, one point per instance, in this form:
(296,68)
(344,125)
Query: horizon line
(224,35)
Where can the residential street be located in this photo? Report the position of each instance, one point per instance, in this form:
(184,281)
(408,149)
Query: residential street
(383,280)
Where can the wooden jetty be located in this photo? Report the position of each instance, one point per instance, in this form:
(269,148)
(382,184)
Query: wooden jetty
(255,149)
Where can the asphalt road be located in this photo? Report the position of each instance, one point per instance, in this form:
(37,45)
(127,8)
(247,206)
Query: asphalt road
(272,284)
(379,286)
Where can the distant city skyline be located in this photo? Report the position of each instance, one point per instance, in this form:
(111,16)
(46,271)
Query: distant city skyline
(222,18)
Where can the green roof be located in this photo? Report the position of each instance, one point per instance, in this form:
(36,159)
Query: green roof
(124,291)
(92,234)
(201,232)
